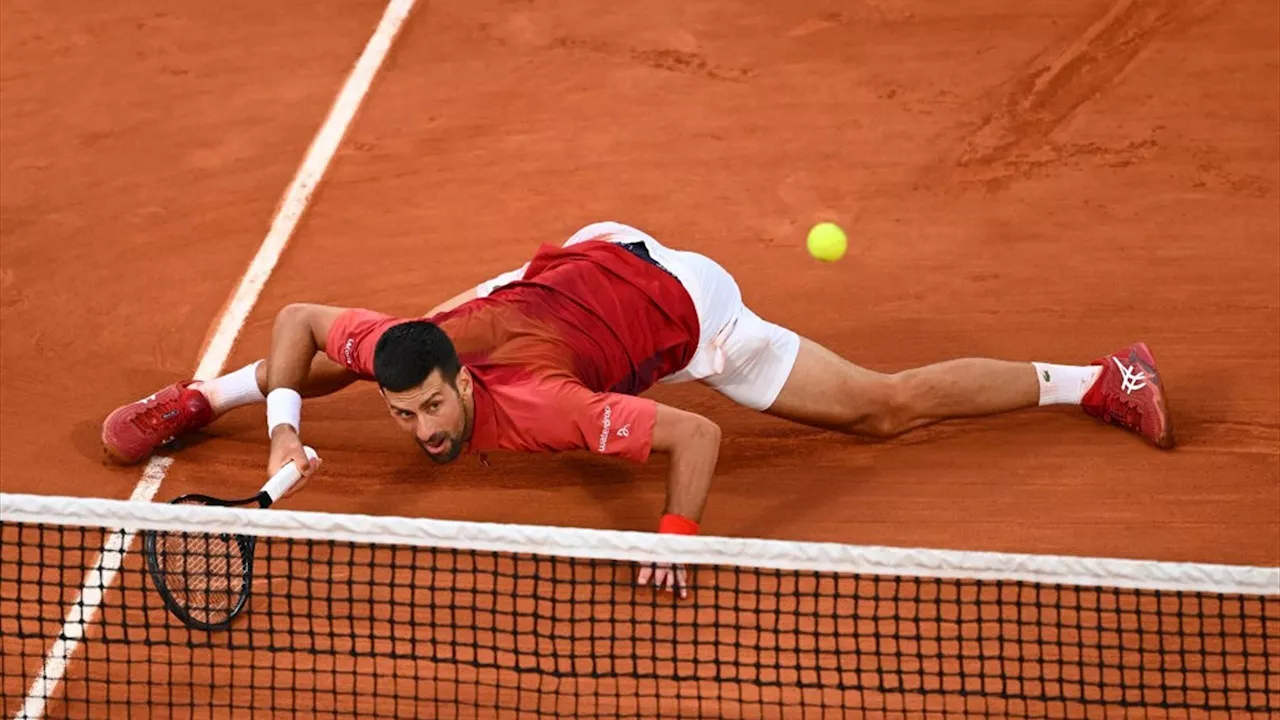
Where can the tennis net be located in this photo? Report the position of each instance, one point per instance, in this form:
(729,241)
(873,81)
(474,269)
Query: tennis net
(362,616)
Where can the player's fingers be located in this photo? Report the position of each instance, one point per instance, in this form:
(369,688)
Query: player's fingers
(646,572)
(285,450)
(302,462)
(682,581)
(295,487)
(659,577)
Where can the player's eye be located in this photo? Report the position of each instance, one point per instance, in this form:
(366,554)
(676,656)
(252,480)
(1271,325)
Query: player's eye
(404,414)
(434,406)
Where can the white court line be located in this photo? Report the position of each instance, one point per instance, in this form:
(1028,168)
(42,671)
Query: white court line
(215,354)
(86,605)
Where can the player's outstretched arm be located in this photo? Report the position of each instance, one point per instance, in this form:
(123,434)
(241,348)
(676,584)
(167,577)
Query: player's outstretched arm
(693,442)
(299,333)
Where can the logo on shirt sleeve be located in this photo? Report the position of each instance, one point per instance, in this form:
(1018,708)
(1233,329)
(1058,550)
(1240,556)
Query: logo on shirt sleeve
(348,351)
(606,424)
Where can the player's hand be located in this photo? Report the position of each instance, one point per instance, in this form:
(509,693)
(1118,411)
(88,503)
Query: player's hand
(665,577)
(286,447)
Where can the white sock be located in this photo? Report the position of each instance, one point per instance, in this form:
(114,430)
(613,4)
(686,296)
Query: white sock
(233,390)
(1065,384)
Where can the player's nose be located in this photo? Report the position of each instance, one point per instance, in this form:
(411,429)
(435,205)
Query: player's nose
(424,429)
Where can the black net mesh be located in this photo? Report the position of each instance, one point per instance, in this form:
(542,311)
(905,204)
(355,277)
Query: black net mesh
(342,629)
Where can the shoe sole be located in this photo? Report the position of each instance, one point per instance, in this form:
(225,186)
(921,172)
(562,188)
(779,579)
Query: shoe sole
(113,452)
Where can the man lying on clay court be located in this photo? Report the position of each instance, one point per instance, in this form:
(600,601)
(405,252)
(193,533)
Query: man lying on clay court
(552,356)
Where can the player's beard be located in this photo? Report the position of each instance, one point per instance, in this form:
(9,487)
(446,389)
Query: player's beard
(450,453)
(456,441)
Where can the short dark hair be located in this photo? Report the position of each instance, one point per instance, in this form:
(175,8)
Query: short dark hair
(408,352)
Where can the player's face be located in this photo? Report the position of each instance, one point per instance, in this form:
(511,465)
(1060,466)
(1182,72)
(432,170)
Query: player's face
(438,414)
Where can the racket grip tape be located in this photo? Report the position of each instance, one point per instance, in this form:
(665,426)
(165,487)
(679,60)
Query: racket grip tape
(285,477)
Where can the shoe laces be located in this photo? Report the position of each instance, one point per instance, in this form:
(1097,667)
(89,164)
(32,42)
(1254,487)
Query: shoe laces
(1122,406)
(156,416)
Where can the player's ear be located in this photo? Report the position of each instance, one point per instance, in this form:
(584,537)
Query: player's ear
(463,382)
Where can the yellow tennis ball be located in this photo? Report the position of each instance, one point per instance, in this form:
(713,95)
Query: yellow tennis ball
(827,242)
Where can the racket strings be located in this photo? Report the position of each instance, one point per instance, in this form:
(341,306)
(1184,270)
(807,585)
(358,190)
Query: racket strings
(205,572)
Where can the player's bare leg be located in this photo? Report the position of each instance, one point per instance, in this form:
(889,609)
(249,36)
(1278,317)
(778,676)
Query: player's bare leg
(825,390)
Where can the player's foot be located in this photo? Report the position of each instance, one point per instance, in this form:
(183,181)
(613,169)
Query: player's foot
(1130,393)
(132,432)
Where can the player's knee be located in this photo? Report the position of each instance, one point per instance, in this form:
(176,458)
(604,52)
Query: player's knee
(706,430)
(292,313)
(887,407)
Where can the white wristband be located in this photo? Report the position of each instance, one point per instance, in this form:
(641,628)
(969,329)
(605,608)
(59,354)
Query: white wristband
(284,407)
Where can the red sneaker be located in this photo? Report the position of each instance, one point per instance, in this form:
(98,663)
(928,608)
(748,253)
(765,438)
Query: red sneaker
(1129,393)
(132,432)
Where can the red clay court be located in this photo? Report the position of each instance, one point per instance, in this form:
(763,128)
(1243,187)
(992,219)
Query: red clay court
(1044,180)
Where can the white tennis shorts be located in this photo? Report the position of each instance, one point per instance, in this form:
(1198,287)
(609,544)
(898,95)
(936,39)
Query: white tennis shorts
(746,358)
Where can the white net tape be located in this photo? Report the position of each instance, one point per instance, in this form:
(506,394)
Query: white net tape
(644,547)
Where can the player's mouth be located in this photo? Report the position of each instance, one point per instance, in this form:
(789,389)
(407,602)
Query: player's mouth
(437,445)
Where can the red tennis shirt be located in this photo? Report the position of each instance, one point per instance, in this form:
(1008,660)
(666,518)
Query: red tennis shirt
(559,356)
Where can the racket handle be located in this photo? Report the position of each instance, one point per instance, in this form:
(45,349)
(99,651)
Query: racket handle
(285,477)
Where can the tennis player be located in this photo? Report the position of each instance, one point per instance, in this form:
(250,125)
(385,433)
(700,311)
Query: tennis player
(552,357)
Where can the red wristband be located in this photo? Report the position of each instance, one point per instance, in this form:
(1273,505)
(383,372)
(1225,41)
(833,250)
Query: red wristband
(677,525)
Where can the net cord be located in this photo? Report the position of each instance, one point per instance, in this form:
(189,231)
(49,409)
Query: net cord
(631,546)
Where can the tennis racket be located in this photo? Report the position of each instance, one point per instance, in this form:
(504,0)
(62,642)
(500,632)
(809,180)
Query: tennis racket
(204,578)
